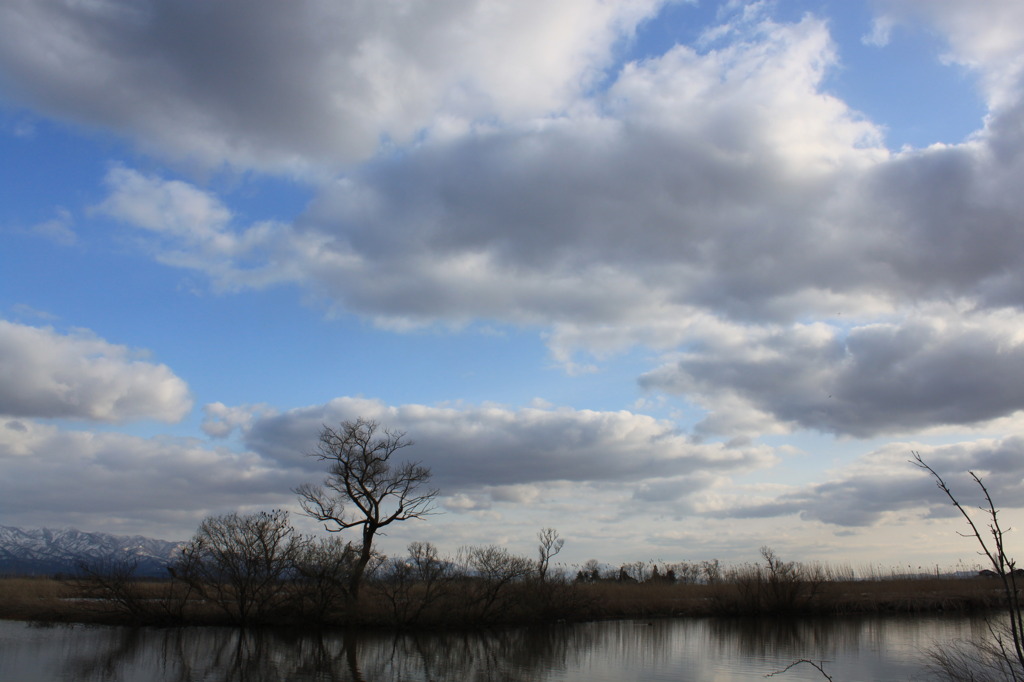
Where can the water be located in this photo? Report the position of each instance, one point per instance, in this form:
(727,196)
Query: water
(879,649)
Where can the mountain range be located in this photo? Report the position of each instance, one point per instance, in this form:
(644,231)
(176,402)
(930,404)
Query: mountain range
(49,551)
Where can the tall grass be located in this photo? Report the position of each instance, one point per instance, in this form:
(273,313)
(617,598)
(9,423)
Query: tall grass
(453,600)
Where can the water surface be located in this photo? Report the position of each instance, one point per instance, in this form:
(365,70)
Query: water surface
(880,649)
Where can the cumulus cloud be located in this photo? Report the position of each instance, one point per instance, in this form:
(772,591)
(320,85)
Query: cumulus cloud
(284,85)
(473,447)
(721,177)
(676,185)
(923,371)
(49,375)
(722,180)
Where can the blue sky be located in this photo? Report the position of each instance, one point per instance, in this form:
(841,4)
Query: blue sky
(678,279)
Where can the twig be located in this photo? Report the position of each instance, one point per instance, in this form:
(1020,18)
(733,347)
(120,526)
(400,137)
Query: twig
(817,666)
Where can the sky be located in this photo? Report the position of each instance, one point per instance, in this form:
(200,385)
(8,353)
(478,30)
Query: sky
(678,279)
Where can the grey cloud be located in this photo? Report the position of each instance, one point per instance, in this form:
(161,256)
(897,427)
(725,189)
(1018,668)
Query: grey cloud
(873,379)
(271,84)
(886,481)
(672,489)
(164,485)
(859,502)
(47,374)
(491,446)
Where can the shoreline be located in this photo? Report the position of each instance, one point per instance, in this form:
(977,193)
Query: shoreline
(50,601)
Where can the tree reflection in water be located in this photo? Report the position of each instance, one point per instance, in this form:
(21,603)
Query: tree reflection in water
(237,655)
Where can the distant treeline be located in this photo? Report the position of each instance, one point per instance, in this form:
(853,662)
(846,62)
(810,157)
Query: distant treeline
(256,570)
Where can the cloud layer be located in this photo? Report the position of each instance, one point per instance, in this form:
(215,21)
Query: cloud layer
(473,447)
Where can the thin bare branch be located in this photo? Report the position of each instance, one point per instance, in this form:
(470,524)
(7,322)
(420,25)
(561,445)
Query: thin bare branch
(820,667)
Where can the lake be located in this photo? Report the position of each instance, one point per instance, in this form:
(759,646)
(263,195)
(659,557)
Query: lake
(877,648)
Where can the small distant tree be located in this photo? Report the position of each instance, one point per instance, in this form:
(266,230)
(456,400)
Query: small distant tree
(550,545)
(636,572)
(590,573)
(687,573)
(364,488)
(711,571)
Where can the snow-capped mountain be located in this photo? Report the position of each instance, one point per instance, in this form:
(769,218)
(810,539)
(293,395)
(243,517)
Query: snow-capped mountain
(49,551)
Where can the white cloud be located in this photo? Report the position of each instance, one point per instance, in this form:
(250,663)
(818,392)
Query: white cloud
(984,36)
(47,375)
(219,420)
(193,229)
(169,207)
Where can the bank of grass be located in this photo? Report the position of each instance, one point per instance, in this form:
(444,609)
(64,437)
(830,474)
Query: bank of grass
(165,603)
(890,595)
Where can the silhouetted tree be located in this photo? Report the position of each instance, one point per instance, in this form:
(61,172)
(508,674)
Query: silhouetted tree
(550,545)
(364,488)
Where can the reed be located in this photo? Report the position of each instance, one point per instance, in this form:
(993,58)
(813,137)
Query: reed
(163,602)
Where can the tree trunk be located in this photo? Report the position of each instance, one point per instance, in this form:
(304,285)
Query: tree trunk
(365,552)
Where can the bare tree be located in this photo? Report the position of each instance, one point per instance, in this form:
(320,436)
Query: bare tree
(364,488)
(112,581)
(550,545)
(240,562)
(1009,646)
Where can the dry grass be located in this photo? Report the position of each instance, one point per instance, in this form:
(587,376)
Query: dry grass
(910,595)
(44,599)
(33,598)
(648,600)
(899,595)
